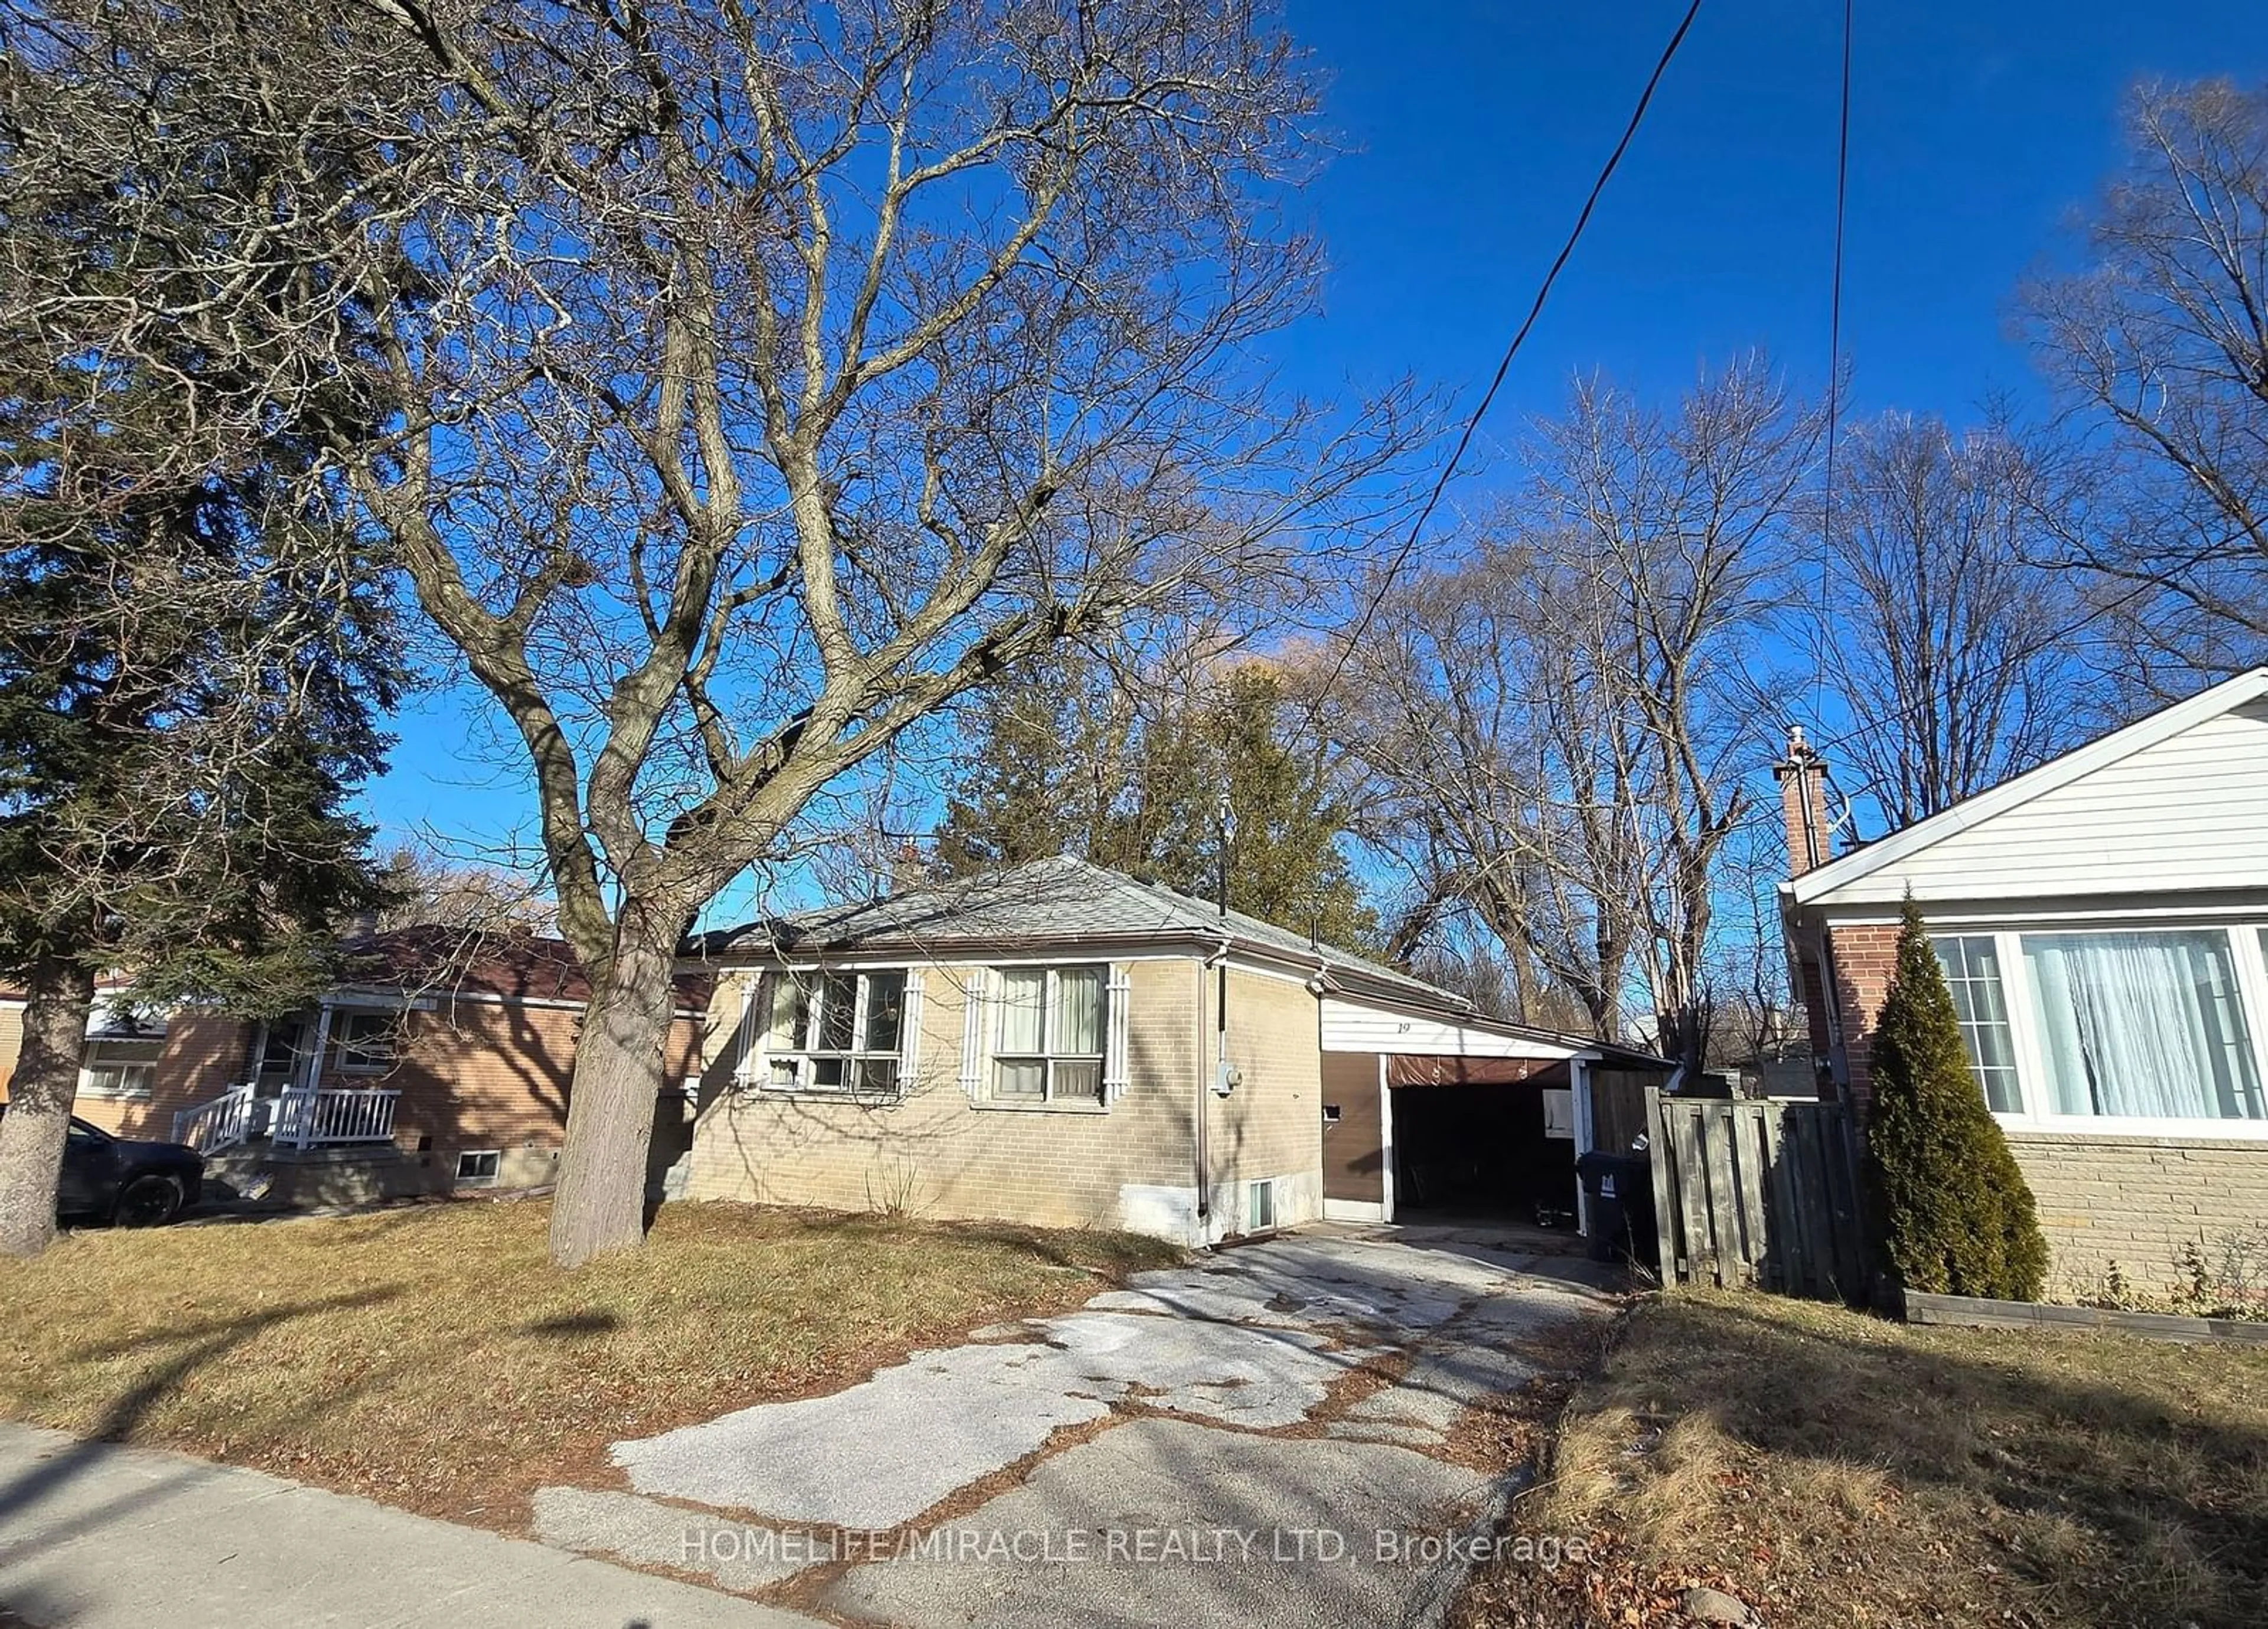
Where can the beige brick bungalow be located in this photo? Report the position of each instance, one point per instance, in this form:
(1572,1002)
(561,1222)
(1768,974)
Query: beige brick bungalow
(2103,923)
(1061,1045)
(441,1063)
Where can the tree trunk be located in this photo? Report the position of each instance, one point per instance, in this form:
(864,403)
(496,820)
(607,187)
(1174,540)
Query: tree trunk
(620,1062)
(59,995)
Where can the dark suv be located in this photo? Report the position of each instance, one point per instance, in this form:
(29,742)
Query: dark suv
(134,1184)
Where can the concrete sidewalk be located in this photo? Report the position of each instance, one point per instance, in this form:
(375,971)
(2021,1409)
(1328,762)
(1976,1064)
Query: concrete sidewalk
(97,1536)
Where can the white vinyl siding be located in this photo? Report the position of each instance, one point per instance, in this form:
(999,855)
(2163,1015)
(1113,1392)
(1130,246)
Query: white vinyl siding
(2190,812)
(2161,1031)
(1354,1026)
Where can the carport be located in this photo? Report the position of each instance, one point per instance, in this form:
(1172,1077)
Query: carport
(1490,1138)
(1436,1115)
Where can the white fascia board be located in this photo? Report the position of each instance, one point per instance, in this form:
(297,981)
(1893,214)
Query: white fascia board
(2163,906)
(1360,1026)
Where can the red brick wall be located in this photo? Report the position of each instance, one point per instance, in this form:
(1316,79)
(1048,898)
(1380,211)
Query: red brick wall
(205,1054)
(484,1074)
(1863,959)
(11,1042)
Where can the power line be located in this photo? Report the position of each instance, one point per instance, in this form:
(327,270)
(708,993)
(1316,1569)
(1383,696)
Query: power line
(1834,353)
(1473,424)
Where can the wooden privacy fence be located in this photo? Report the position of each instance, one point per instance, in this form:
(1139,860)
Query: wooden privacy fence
(1757,1194)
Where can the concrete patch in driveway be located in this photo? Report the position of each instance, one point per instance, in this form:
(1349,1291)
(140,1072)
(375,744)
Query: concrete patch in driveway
(1314,1283)
(1158,1521)
(884,1451)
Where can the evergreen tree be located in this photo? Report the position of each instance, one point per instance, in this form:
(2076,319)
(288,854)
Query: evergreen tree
(1041,775)
(1060,763)
(192,648)
(1285,864)
(1955,1215)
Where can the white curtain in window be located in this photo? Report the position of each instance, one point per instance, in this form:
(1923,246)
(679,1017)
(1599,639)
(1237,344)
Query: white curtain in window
(784,1008)
(1079,1010)
(1023,1000)
(2143,1025)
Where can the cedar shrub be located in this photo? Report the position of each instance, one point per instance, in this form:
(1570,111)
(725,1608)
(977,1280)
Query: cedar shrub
(1954,1214)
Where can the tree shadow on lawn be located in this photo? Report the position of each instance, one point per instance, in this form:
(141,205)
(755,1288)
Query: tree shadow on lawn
(1099,1253)
(206,1344)
(2129,1480)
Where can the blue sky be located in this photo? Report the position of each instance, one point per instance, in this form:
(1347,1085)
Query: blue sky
(1478,128)
(1473,131)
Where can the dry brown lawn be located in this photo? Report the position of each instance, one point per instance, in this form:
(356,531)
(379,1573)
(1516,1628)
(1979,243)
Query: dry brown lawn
(431,1358)
(1831,1467)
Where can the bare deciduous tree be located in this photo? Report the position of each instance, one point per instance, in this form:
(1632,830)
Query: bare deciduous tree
(1563,720)
(2160,347)
(1944,641)
(762,378)
(427,886)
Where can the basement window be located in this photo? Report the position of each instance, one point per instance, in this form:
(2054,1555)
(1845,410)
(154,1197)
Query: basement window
(478,1165)
(1260,1207)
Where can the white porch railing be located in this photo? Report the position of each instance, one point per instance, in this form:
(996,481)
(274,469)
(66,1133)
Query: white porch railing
(307,1118)
(224,1122)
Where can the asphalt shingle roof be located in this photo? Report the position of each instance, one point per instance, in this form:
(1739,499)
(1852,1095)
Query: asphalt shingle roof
(1065,902)
(1047,902)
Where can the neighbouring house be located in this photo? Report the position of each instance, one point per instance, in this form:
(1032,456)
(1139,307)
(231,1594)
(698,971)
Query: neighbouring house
(2103,925)
(442,1061)
(1058,1044)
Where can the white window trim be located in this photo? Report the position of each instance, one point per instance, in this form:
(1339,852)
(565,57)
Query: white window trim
(2019,1023)
(124,1093)
(2033,1085)
(755,1072)
(1253,1190)
(341,1021)
(1096,1102)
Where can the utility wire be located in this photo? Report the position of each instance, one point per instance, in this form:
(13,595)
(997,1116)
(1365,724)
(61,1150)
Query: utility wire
(1834,364)
(1473,424)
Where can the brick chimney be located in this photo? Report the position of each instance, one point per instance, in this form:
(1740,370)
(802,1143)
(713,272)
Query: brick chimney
(1802,778)
(908,867)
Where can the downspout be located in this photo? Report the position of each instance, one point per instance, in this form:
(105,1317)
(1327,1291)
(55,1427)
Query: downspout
(1206,1077)
(1200,1112)
(1228,835)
